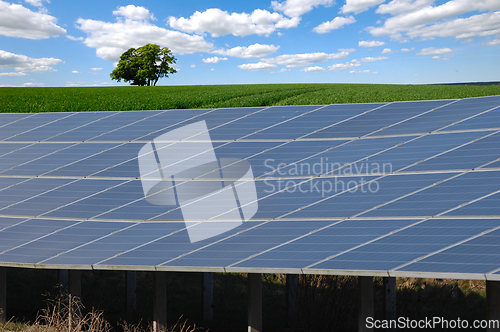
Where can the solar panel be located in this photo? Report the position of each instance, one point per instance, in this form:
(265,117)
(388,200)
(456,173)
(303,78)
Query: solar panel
(399,189)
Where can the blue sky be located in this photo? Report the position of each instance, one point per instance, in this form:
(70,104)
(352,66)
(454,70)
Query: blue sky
(77,43)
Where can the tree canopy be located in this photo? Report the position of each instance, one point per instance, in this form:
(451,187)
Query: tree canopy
(144,65)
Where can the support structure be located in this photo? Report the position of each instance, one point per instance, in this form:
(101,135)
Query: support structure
(3,294)
(75,283)
(160,301)
(74,295)
(131,281)
(63,280)
(493,304)
(365,302)
(208,296)
(254,302)
(292,285)
(390,299)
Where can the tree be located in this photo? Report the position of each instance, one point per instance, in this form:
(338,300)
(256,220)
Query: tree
(144,65)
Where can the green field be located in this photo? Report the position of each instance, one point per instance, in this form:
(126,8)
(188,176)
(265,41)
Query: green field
(128,98)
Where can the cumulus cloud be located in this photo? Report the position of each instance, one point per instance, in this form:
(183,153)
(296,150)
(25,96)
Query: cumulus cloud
(215,59)
(250,52)
(367,71)
(111,39)
(372,59)
(74,38)
(358,6)
(36,3)
(494,42)
(372,43)
(434,51)
(305,59)
(481,25)
(75,72)
(19,21)
(336,23)
(314,69)
(387,51)
(22,63)
(402,6)
(344,66)
(13,74)
(426,21)
(258,66)
(294,8)
(220,23)
(132,12)
(96,69)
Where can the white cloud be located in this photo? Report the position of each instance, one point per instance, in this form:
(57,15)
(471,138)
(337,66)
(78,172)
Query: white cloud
(315,69)
(373,43)
(111,39)
(215,59)
(434,51)
(367,71)
(74,38)
(13,74)
(358,6)
(493,42)
(19,21)
(31,84)
(425,21)
(220,23)
(22,63)
(344,66)
(75,72)
(402,6)
(96,69)
(336,23)
(257,66)
(481,25)
(406,50)
(372,59)
(250,52)
(193,66)
(293,8)
(36,3)
(132,12)
(306,59)
(387,51)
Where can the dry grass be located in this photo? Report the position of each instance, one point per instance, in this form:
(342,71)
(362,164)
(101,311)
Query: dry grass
(63,316)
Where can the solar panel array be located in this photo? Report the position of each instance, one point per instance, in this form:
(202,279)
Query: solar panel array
(399,189)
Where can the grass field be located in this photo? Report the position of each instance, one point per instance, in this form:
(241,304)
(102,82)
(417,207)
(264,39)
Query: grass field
(217,96)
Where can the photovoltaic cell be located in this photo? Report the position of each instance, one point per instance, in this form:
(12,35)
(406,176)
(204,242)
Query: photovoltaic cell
(377,119)
(29,123)
(441,117)
(396,249)
(64,240)
(93,130)
(467,157)
(62,126)
(443,196)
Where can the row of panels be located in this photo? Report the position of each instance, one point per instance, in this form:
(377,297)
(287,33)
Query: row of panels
(426,245)
(411,195)
(279,122)
(436,152)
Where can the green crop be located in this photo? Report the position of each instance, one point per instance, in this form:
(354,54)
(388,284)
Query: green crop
(79,99)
